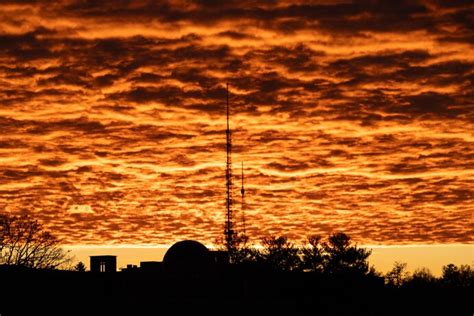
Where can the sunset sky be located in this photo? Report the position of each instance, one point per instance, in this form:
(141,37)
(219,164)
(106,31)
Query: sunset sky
(353,116)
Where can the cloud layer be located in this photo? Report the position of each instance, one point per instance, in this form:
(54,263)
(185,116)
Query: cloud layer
(348,115)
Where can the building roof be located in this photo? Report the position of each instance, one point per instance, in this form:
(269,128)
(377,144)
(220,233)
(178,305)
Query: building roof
(187,256)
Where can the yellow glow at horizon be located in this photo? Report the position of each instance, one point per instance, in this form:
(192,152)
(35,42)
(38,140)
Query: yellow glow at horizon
(432,257)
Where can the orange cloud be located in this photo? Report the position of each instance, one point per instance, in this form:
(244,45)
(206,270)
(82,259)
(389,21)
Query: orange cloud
(349,116)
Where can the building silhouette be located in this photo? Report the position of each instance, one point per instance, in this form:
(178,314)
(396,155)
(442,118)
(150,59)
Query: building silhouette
(103,263)
(130,268)
(187,257)
(151,266)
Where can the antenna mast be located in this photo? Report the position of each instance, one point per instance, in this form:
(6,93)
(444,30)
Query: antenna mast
(229,231)
(242,192)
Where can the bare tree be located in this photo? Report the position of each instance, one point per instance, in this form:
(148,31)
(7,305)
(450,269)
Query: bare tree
(24,242)
(398,275)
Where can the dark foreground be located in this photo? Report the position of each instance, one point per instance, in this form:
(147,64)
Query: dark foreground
(33,292)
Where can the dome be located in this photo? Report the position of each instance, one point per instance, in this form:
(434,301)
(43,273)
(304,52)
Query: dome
(187,256)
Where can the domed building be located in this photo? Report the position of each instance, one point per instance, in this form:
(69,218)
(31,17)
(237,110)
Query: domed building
(188,257)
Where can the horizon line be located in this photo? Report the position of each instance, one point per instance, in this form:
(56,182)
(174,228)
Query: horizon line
(258,246)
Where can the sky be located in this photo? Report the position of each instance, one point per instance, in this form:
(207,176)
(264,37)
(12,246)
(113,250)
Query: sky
(353,116)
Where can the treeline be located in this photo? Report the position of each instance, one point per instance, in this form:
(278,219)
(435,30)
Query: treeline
(452,276)
(338,255)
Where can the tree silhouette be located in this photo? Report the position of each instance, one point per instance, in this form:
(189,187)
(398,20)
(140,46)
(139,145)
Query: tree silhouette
(280,254)
(24,242)
(80,267)
(421,277)
(313,255)
(398,275)
(341,256)
(245,255)
(462,276)
(241,252)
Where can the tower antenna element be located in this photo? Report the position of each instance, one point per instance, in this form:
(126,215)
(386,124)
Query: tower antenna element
(229,229)
(242,205)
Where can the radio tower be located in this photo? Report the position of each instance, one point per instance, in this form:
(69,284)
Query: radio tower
(242,204)
(229,230)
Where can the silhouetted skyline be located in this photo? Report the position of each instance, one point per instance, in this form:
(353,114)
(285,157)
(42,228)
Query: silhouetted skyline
(330,275)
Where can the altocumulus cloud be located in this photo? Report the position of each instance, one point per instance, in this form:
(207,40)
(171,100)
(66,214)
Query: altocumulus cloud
(345,113)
